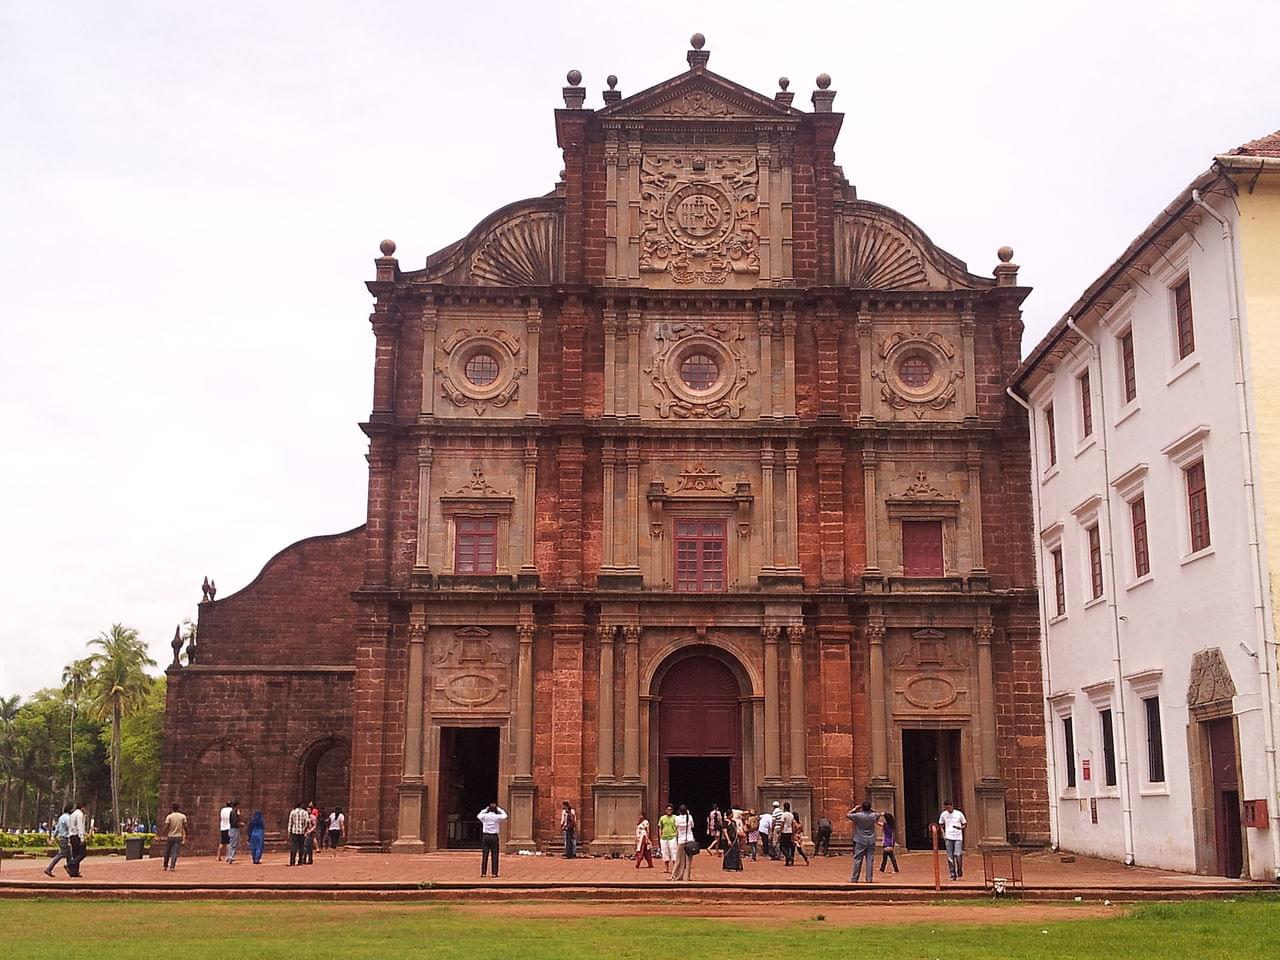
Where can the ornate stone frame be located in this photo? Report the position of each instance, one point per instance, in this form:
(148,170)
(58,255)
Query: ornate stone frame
(701,493)
(478,498)
(921,500)
(455,350)
(939,393)
(678,340)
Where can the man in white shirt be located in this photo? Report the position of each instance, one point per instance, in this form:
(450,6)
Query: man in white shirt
(224,830)
(953,824)
(76,834)
(766,828)
(787,819)
(490,818)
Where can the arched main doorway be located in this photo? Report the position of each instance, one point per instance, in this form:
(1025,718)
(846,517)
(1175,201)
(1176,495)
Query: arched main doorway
(326,774)
(699,730)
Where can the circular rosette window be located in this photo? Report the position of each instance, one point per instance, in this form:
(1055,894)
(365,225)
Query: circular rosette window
(919,370)
(700,370)
(483,368)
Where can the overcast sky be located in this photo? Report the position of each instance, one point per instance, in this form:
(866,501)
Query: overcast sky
(191,196)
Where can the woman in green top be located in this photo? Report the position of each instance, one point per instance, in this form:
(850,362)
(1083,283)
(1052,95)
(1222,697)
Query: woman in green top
(667,839)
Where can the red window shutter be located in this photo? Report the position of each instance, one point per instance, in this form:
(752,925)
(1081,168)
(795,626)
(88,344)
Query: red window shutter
(475,545)
(1059,584)
(1130,370)
(1141,558)
(1186,325)
(1086,405)
(1198,506)
(1095,561)
(1052,429)
(922,548)
(700,548)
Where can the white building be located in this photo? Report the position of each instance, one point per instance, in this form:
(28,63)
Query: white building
(1159,639)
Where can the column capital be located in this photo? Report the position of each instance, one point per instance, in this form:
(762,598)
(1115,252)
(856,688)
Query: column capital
(608,455)
(875,633)
(525,632)
(983,633)
(771,633)
(631,633)
(606,633)
(609,320)
(425,453)
(417,630)
(795,630)
(633,321)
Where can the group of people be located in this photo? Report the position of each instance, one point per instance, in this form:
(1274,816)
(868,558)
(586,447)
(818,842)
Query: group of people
(951,822)
(70,831)
(308,828)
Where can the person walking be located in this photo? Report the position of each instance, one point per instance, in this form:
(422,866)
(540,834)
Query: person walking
(953,824)
(224,830)
(686,845)
(864,840)
(797,836)
(822,838)
(233,834)
(732,852)
(715,829)
(766,832)
(77,832)
(644,845)
(337,827)
(60,836)
(257,835)
(667,840)
(889,840)
(490,818)
(175,831)
(753,833)
(787,840)
(569,827)
(298,820)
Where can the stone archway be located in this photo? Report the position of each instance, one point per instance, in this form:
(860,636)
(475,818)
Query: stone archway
(222,772)
(324,774)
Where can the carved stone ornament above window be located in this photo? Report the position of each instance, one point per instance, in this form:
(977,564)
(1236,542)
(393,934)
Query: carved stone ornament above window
(698,482)
(929,383)
(464,352)
(921,489)
(1210,682)
(699,216)
(679,395)
(471,671)
(477,488)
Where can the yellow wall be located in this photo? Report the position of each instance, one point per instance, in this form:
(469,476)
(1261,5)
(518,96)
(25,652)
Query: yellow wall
(1259,238)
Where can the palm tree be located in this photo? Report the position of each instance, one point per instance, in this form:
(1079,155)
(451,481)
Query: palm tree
(118,684)
(75,677)
(8,748)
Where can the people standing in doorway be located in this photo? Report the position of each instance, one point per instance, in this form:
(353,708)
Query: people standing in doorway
(61,836)
(257,835)
(667,839)
(822,838)
(644,844)
(175,831)
(299,818)
(233,833)
(322,832)
(686,845)
(224,830)
(569,827)
(953,824)
(889,840)
(337,827)
(766,832)
(864,840)
(490,818)
(786,829)
(77,834)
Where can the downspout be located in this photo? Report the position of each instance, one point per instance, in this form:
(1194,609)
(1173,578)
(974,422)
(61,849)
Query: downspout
(1051,753)
(1122,741)
(1266,655)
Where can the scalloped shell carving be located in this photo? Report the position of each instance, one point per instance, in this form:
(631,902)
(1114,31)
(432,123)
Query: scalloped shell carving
(879,260)
(518,253)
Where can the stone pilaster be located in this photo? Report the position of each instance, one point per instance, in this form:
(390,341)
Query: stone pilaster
(522,791)
(990,789)
(412,791)
(772,726)
(796,715)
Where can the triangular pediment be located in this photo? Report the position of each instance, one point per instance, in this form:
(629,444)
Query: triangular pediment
(699,95)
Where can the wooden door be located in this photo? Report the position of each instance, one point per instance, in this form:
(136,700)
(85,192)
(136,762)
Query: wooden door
(699,715)
(1226,796)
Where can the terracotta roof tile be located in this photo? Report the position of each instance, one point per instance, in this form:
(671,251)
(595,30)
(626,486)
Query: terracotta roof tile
(1268,146)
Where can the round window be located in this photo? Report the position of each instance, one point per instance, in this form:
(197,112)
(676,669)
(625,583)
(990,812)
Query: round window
(915,372)
(699,371)
(482,368)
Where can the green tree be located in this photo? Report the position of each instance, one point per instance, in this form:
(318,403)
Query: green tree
(141,735)
(8,750)
(75,678)
(117,686)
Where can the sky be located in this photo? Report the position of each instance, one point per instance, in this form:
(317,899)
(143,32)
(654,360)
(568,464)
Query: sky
(192,195)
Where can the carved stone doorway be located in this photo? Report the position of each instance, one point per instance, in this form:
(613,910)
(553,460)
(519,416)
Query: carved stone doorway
(930,777)
(468,783)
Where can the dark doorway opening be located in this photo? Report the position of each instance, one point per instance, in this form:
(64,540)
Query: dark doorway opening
(1226,796)
(326,775)
(699,782)
(468,782)
(930,777)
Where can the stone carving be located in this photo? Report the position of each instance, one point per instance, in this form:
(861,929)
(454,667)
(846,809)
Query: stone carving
(936,354)
(1210,680)
(477,488)
(208,591)
(929,648)
(699,215)
(696,103)
(877,259)
(517,246)
(922,489)
(699,479)
(716,341)
(930,691)
(471,670)
(455,351)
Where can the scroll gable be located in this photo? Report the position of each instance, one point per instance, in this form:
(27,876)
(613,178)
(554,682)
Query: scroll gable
(520,245)
(879,249)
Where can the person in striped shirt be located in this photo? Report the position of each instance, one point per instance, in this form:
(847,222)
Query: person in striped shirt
(299,821)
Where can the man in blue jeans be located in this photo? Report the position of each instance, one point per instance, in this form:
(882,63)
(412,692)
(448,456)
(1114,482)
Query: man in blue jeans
(175,831)
(299,821)
(62,835)
(953,824)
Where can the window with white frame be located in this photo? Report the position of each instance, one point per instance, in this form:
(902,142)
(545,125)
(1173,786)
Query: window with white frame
(1105,767)
(1187,456)
(1184,332)
(1130,486)
(1063,743)
(1055,572)
(1087,515)
(1128,366)
(1086,404)
(1051,435)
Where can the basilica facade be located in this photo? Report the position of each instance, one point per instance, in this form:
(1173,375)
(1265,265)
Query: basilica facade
(692,480)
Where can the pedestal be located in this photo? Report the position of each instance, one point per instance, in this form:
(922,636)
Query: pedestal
(520,815)
(617,805)
(411,821)
(991,812)
(796,793)
(883,795)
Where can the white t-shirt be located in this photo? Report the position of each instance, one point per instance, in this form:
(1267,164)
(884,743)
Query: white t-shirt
(788,820)
(336,820)
(224,818)
(952,824)
(489,820)
(766,822)
(684,828)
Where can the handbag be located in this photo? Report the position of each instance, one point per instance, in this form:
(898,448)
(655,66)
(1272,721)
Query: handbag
(691,848)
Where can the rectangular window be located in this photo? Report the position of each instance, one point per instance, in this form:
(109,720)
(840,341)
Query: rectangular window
(1141,558)
(1069,746)
(1059,584)
(1108,748)
(1127,368)
(475,545)
(1197,506)
(1182,310)
(922,548)
(1155,741)
(1052,432)
(700,547)
(1086,405)
(1095,562)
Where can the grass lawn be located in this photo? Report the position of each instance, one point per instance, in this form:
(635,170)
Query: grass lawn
(69,929)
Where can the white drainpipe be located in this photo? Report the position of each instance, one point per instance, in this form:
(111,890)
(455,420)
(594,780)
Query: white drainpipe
(1117,671)
(1051,750)
(1266,654)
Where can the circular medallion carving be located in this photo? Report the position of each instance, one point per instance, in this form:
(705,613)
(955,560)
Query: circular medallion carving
(930,692)
(471,689)
(699,215)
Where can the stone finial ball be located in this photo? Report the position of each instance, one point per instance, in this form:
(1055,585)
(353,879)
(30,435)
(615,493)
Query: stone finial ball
(824,81)
(783,83)
(611,80)
(388,247)
(1005,254)
(697,41)
(574,77)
